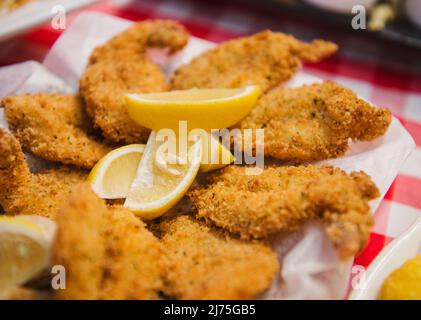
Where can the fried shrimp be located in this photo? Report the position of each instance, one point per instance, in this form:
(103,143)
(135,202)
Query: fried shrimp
(205,263)
(314,122)
(282,198)
(54,127)
(108,253)
(22,192)
(266,59)
(121,66)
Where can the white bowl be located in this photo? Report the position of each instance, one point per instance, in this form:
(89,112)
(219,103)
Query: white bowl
(343,6)
(394,255)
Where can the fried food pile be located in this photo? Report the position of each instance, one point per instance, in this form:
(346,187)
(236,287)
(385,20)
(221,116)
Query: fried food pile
(220,249)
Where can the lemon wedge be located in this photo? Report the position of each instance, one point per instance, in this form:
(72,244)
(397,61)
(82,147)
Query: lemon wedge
(25,247)
(163,177)
(201,108)
(114,173)
(217,155)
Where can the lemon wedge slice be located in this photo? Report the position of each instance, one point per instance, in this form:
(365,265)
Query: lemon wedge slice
(25,248)
(162,178)
(217,155)
(114,173)
(201,108)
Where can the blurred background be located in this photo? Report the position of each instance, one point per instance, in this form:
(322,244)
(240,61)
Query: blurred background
(388,32)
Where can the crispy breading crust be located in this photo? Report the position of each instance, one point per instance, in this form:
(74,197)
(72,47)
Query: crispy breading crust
(54,127)
(107,252)
(282,198)
(314,122)
(121,66)
(12,4)
(205,263)
(266,59)
(79,245)
(22,192)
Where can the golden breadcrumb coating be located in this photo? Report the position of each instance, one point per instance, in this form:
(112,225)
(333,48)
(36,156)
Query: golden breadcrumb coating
(121,66)
(79,245)
(7,5)
(205,263)
(404,283)
(108,253)
(282,198)
(22,192)
(314,122)
(266,59)
(54,127)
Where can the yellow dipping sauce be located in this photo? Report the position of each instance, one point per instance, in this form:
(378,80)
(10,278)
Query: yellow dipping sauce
(403,283)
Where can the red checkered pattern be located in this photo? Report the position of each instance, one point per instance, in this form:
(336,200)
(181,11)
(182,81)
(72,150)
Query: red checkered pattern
(390,86)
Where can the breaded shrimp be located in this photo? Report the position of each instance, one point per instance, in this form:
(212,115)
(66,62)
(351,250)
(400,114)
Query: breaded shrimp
(107,252)
(282,198)
(121,66)
(54,127)
(79,245)
(314,122)
(206,263)
(266,59)
(22,192)
(134,265)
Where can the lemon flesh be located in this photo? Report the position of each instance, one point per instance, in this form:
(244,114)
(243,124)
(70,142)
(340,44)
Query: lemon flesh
(24,248)
(112,175)
(20,259)
(159,183)
(404,283)
(200,108)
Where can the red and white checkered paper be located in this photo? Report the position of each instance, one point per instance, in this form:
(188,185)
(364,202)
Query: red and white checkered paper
(398,90)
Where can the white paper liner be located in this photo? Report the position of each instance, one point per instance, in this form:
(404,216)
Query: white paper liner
(310,267)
